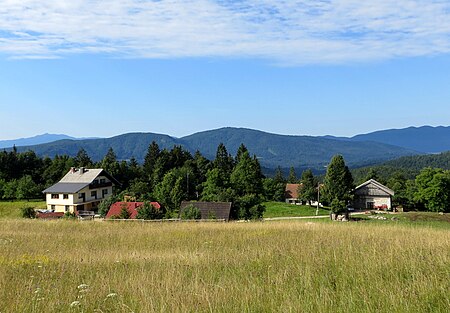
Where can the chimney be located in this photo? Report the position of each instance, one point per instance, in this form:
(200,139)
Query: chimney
(72,170)
(81,170)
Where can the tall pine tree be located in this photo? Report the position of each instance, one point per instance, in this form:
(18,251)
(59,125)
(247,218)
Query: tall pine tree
(338,183)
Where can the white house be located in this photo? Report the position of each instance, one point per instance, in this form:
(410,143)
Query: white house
(372,195)
(80,189)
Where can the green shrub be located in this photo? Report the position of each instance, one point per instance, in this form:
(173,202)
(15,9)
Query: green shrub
(124,213)
(28,212)
(191,213)
(212,215)
(338,206)
(149,212)
(70,215)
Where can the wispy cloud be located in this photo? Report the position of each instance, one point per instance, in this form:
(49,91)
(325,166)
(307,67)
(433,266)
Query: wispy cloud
(284,31)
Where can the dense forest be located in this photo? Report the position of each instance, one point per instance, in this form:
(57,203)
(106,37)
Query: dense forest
(408,166)
(171,176)
(167,176)
(301,152)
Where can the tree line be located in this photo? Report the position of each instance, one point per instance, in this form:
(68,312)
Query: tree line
(166,176)
(171,176)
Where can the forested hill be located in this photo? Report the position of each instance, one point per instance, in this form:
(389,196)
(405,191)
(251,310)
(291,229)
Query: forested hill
(418,162)
(426,139)
(271,149)
(409,166)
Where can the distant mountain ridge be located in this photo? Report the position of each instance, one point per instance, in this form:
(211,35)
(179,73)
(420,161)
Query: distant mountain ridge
(272,150)
(36,140)
(426,139)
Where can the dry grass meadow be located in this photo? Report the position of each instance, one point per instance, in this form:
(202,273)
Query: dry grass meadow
(298,266)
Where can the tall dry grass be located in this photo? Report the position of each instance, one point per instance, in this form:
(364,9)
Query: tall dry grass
(66,266)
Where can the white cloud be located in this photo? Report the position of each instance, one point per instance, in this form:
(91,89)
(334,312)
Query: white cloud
(290,32)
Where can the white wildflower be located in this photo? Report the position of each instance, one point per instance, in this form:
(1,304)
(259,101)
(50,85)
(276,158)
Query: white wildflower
(75,303)
(111,295)
(83,286)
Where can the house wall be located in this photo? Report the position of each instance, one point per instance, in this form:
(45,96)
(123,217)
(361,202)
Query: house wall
(90,201)
(60,204)
(360,202)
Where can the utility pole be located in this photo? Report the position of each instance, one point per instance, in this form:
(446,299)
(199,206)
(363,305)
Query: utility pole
(318,198)
(187,184)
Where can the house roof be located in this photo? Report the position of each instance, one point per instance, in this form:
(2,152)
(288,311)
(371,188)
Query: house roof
(221,210)
(132,208)
(291,191)
(65,188)
(377,184)
(77,179)
(85,175)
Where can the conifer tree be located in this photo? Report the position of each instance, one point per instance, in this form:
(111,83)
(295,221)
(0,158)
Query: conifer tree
(308,188)
(82,159)
(292,178)
(153,153)
(338,182)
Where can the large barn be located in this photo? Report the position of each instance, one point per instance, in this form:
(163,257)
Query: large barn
(372,195)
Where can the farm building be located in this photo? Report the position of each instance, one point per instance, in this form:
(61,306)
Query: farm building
(291,193)
(217,210)
(132,208)
(372,195)
(80,190)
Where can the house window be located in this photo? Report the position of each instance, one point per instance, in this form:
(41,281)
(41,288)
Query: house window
(95,181)
(81,195)
(102,181)
(67,208)
(55,196)
(94,194)
(104,192)
(65,196)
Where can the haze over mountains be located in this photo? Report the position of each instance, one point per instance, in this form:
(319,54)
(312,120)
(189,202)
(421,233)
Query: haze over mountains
(35,140)
(426,139)
(272,150)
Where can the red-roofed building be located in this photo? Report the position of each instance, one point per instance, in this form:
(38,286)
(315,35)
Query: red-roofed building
(291,193)
(132,208)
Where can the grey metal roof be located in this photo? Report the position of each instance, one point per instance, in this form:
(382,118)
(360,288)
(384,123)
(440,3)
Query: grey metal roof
(65,188)
(86,175)
(376,184)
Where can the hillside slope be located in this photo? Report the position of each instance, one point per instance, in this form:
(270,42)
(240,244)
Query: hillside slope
(426,139)
(35,140)
(299,151)
(272,150)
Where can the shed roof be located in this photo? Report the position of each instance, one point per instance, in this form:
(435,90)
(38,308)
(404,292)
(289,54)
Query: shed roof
(221,210)
(376,184)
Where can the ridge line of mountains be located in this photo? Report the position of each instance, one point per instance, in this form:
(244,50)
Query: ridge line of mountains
(273,150)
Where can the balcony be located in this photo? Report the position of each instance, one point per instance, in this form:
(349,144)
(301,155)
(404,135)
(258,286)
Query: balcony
(100,185)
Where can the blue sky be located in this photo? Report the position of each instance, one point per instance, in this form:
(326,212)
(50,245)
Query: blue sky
(91,68)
